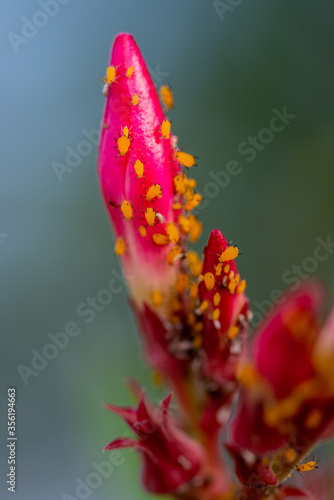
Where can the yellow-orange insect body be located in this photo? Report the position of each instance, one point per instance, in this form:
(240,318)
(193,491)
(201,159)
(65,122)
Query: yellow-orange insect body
(126,131)
(229,253)
(153,192)
(120,246)
(193,203)
(129,71)
(123,144)
(135,99)
(110,75)
(172,232)
(150,214)
(307,466)
(139,168)
(165,129)
(185,159)
(167,97)
(160,239)
(142,230)
(179,184)
(209,281)
(126,209)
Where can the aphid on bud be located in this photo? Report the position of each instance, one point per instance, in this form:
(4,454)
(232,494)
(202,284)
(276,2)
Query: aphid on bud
(110,75)
(157,298)
(193,290)
(215,314)
(129,71)
(185,159)
(179,183)
(135,99)
(165,129)
(218,269)
(123,144)
(167,97)
(216,299)
(150,214)
(139,168)
(182,282)
(193,203)
(177,206)
(119,246)
(229,253)
(126,131)
(172,232)
(307,466)
(241,286)
(142,230)
(232,332)
(108,79)
(160,239)
(126,210)
(153,191)
(173,254)
(209,281)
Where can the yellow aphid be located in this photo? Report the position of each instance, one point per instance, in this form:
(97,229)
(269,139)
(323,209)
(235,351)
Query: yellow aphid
(150,214)
(307,466)
(209,281)
(189,194)
(110,76)
(167,98)
(179,183)
(139,168)
(184,224)
(193,290)
(157,298)
(123,144)
(195,228)
(126,131)
(160,239)
(182,282)
(185,159)
(229,253)
(129,71)
(174,252)
(195,263)
(241,286)
(232,332)
(119,246)
(226,268)
(153,192)
(215,314)
(216,299)
(172,232)
(142,230)
(193,203)
(204,305)
(218,269)
(165,129)
(126,209)
(233,283)
(135,99)
(177,206)
(191,183)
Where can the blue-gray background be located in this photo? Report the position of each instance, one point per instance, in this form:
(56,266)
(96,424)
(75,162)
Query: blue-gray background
(228,72)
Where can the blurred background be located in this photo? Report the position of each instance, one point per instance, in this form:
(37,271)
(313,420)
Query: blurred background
(229,68)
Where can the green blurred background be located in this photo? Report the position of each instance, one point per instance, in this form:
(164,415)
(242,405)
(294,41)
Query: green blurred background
(228,71)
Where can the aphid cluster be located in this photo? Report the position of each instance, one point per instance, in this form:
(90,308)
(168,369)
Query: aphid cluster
(171,234)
